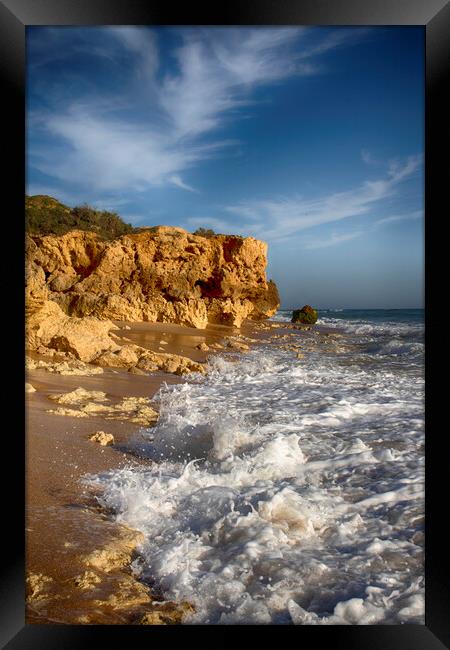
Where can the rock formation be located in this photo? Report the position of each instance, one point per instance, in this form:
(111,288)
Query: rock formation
(88,340)
(307,315)
(161,274)
(102,438)
(95,403)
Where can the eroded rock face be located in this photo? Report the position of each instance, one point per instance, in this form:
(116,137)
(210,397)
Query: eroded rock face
(89,340)
(164,274)
(47,325)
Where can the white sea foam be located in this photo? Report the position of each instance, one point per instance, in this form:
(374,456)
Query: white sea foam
(284,491)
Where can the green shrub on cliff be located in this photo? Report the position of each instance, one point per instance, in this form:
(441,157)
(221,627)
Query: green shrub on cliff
(45,215)
(204,232)
(306,315)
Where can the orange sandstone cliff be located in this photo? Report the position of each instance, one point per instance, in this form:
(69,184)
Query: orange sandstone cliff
(162,274)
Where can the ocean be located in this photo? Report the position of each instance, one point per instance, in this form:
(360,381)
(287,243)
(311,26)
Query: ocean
(285,490)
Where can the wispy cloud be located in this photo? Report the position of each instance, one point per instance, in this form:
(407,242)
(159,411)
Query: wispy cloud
(141,42)
(278,219)
(333,40)
(338,238)
(217,70)
(94,143)
(410,216)
(178,182)
(110,154)
(367,157)
(333,240)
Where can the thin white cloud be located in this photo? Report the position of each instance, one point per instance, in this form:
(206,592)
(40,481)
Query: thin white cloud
(410,216)
(333,240)
(333,40)
(217,70)
(178,182)
(367,157)
(142,42)
(278,219)
(398,171)
(111,154)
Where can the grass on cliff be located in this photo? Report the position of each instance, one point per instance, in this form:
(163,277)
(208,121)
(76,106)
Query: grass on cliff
(204,232)
(45,215)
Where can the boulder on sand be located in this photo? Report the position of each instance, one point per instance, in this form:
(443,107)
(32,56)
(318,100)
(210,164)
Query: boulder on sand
(102,438)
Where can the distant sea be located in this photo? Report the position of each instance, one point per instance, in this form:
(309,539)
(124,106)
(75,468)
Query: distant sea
(285,490)
(366,315)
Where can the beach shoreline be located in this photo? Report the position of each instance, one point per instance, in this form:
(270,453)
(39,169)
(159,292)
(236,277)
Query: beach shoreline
(103,521)
(77,559)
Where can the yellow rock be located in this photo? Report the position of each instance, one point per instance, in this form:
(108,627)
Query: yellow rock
(87,580)
(37,586)
(94,403)
(102,438)
(167,614)
(161,274)
(47,325)
(115,554)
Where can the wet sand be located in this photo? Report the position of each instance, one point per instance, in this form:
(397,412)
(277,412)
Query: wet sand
(174,339)
(64,524)
(77,559)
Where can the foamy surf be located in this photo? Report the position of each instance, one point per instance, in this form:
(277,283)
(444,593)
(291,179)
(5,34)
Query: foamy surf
(285,491)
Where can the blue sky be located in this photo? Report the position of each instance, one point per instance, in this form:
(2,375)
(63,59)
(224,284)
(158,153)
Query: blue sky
(310,138)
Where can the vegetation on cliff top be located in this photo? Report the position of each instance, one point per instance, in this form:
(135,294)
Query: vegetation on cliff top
(45,215)
(204,232)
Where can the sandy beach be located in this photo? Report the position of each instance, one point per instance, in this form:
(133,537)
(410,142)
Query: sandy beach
(260,419)
(78,560)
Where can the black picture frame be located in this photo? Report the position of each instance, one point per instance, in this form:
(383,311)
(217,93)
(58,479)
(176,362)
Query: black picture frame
(434,16)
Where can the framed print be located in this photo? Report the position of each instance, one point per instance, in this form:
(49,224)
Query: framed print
(232,264)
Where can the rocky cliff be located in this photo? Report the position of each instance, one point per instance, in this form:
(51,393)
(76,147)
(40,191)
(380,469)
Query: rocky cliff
(161,274)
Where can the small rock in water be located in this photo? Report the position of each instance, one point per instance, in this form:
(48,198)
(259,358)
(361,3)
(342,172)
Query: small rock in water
(307,315)
(237,345)
(102,438)
(202,346)
(29,388)
(169,614)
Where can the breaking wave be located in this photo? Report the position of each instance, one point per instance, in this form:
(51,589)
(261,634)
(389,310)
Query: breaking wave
(286,491)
